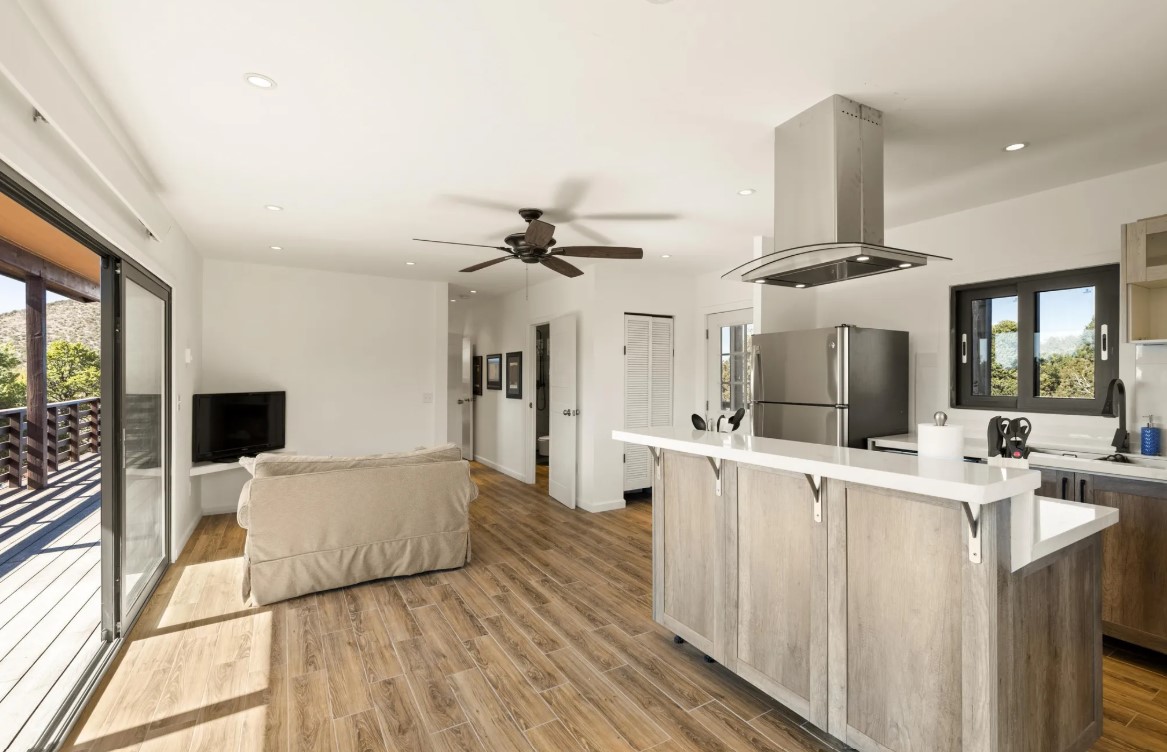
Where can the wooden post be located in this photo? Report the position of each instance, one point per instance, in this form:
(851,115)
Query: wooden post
(36,395)
(74,432)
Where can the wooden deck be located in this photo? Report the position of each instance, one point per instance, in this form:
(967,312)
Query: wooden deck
(50,599)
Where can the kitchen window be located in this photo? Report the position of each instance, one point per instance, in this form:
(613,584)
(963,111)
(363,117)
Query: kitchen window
(1044,343)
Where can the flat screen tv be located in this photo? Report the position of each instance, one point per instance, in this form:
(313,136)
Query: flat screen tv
(230,426)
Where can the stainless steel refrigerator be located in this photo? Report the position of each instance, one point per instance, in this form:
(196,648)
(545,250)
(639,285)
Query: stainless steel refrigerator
(837,386)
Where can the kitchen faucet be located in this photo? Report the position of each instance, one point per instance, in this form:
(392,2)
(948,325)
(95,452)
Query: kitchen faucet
(1121,442)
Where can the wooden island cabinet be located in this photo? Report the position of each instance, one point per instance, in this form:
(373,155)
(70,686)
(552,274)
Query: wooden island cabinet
(898,604)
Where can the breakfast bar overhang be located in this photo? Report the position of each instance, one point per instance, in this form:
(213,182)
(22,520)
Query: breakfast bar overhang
(898,603)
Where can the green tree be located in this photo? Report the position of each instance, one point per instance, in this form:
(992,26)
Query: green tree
(1003,358)
(12,386)
(73,371)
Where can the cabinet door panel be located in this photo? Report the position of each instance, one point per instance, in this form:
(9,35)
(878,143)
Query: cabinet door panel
(1134,555)
(690,548)
(775,577)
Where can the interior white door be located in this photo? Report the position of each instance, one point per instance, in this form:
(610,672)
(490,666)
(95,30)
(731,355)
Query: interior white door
(466,414)
(729,366)
(453,388)
(561,473)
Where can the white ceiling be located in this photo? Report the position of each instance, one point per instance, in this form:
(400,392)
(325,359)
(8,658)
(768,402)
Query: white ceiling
(387,110)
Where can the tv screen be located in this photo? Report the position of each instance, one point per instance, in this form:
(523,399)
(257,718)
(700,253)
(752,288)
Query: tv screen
(230,426)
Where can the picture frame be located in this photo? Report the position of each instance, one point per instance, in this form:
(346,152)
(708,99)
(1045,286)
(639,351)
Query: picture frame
(477,377)
(514,375)
(494,371)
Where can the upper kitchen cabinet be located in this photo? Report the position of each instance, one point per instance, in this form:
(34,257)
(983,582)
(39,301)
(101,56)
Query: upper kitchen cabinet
(1144,260)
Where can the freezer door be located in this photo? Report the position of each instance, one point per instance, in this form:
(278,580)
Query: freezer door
(803,367)
(817,424)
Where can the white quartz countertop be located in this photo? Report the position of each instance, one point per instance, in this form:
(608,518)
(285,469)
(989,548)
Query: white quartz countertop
(946,479)
(1041,526)
(1054,456)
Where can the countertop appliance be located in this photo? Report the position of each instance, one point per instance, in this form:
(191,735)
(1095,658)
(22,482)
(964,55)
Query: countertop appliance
(840,386)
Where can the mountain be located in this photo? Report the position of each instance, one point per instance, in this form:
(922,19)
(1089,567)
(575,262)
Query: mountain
(67,320)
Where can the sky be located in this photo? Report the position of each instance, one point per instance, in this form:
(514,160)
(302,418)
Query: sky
(12,295)
(1063,313)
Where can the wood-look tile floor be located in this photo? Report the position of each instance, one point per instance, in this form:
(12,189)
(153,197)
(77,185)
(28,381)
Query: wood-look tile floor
(544,642)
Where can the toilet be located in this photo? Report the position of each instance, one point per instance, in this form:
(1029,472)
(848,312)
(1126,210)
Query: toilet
(543,445)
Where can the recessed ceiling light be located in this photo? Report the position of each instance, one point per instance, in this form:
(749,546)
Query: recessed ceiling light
(746,192)
(759,281)
(665,255)
(409,263)
(1016,147)
(260,81)
(276,247)
(905,265)
(660,2)
(800,285)
(453,301)
(473,292)
(273,207)
(862,258)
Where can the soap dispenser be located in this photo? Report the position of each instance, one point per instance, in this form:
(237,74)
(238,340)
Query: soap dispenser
(1150,438)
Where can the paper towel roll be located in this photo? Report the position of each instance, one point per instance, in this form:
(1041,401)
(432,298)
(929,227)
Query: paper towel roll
(940,442)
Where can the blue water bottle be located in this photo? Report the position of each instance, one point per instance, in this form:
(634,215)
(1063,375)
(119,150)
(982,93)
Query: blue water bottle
(1150,438)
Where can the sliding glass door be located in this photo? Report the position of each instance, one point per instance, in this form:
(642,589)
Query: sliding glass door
(136,479)
(143,503)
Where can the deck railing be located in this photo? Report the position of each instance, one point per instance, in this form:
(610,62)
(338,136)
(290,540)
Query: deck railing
(78,432)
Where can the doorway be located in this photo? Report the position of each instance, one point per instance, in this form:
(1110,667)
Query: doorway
(729,366)
(557,476)
(542,404)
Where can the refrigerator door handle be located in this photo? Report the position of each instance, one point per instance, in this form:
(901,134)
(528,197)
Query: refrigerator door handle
(756,376)
(756,418)
(841,427)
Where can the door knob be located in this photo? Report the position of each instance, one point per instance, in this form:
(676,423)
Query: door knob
(567,413)
(461,401)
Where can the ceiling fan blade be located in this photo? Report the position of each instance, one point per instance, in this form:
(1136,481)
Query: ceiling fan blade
(485,264)
(591,234)
(561,266)
(595,251)
(632,216)
(481,203)
(539,233)
(569,193)
(473,245)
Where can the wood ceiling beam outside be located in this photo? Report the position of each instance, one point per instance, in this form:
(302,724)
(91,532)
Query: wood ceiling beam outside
(21,264)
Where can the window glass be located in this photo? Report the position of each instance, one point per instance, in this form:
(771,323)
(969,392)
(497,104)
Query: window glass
(736,365)
(994,347)
(1064,343)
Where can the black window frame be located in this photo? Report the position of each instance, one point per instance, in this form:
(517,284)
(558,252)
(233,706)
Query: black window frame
(1104,279)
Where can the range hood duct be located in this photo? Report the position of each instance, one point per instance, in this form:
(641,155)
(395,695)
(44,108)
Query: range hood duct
(828,201)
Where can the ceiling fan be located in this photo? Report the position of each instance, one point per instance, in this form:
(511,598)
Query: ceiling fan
(534,247)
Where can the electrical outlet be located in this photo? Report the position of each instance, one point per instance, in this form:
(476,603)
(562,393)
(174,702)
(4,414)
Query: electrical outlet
(427,398)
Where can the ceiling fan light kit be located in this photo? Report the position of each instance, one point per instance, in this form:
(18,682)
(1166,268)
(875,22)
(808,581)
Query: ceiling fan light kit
(535,244)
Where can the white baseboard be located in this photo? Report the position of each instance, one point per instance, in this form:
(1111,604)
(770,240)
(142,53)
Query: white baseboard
(227,507)
(601,506)
(504,470)
(180,544)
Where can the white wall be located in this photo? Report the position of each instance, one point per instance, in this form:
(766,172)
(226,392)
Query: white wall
(357,354)
(62,157)
(362,358)
(1065,228)
(601,298)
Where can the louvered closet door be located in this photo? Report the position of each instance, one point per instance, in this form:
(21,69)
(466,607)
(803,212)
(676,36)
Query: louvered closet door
(648,388)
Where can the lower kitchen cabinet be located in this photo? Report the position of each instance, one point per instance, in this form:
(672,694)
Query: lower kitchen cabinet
(689,529)
(780,575)
(1134,557)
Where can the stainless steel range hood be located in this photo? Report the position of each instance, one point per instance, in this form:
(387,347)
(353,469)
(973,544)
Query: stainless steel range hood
(828,201)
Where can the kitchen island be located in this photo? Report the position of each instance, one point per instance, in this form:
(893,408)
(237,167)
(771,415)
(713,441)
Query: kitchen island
(897,603)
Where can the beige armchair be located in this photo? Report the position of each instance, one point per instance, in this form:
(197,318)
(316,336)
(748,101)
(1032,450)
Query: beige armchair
(317,523)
